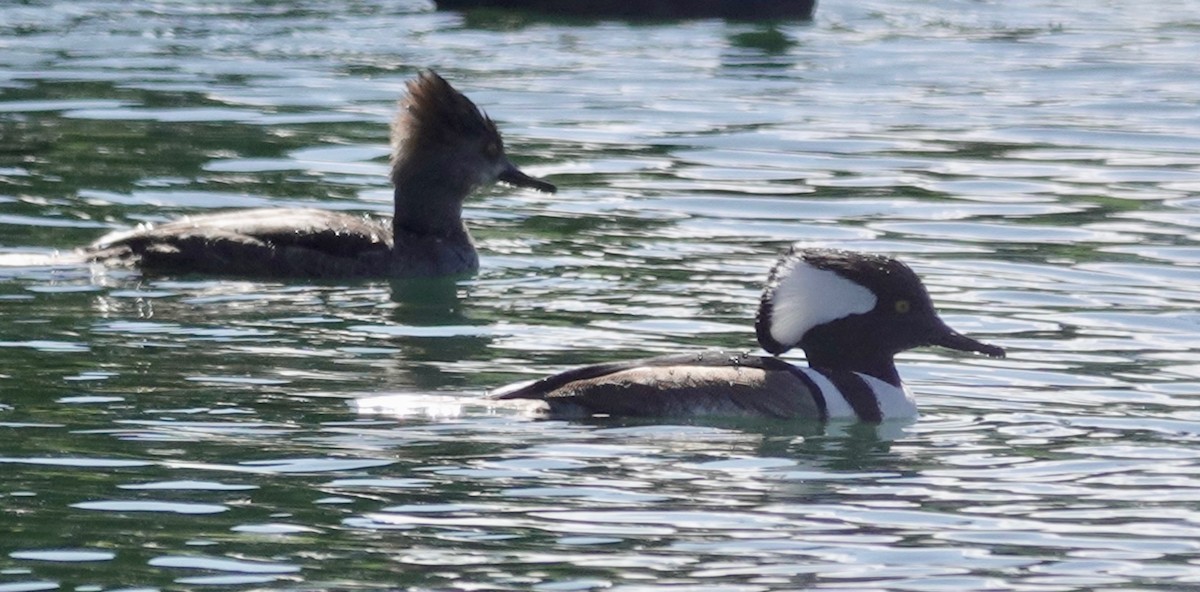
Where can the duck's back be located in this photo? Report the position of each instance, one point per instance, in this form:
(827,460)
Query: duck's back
(259,242)
(712,383)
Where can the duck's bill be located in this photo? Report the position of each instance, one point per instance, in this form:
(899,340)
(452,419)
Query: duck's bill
(513,176)
(955,340)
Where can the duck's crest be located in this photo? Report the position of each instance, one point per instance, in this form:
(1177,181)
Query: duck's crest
(434,113)
(808,288)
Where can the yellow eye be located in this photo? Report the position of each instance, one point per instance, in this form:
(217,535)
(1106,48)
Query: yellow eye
(903,306)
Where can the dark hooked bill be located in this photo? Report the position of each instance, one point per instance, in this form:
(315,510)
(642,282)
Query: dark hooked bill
(513,176)
(955,340)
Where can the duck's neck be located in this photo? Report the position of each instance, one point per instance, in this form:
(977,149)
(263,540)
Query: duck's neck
(428,203)
(876,364)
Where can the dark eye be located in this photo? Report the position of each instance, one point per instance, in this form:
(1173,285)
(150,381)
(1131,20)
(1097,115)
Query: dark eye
(903,306)
(491,149)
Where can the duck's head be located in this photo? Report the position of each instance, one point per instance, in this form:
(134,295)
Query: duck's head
(851,311)
(440,132)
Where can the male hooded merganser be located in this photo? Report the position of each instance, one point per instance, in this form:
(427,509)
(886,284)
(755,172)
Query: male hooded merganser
(851,313)
(444,148)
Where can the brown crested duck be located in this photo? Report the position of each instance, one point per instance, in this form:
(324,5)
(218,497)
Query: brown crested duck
(443,149)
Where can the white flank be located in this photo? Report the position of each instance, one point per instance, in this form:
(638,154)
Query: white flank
(835,404)
(895,402)
(807,296)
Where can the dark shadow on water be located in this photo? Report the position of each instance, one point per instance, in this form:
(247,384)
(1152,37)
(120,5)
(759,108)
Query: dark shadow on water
(637,10)
(426,301)
(433,326)
(768,40)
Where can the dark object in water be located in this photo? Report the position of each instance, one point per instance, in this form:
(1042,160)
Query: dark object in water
(650,9)
(444,148)
(851,313)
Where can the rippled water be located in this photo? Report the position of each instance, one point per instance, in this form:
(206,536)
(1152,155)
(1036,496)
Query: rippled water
(1039,166)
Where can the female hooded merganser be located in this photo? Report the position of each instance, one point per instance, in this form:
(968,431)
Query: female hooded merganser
(444,148)
(851,313)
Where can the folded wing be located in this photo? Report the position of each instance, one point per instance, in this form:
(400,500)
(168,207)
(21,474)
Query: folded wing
(255,242)
(703,384)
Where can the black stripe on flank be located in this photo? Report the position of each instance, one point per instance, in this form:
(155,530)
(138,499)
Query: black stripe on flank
(857,393)
(817,396)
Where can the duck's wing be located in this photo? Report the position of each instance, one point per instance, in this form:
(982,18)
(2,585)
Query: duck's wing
(704,384)
(334,233)
(270,242)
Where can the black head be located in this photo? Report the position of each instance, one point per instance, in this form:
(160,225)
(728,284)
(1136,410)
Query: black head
(851,311)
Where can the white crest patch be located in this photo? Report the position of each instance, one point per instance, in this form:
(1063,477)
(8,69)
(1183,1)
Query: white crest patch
(806,296)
